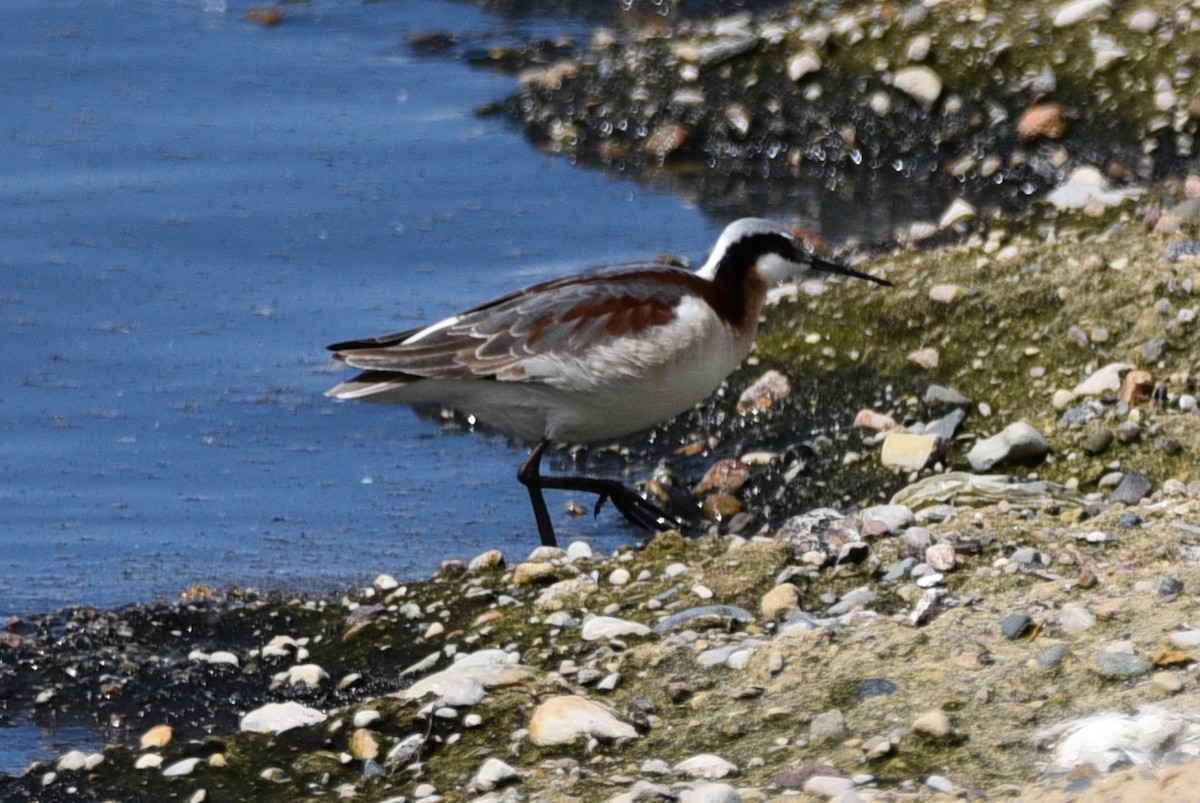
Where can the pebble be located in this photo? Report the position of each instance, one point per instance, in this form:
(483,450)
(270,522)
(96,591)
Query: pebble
(1075,618)
(941,557)
(610,627)
(1185,638)
(1167,587)
(827,726)
(1133,488)
(1168,681)
(619,577)
(880,520)
(534,573)
(907,451)
(859,598)
(829,786)
(1018,442)
(486,561)
(934,724)
(579,550)
(1015,625)
(920,83)
(1104,381)
(875,687)
(363,744)
(780,602)
(707,766)
(1052,656)
(1077,11)
(493,773)
(158,736)
(365,718)
(182,767)
(945,294)
(705,793)
(1120,665)
(489,667)
(148,761)
(562,719)
(310,675)
(280,717)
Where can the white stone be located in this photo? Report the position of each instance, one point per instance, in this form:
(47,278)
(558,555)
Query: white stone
(490,667)
(1086,185)
(562,719)
(1016,442)
(579,550)
(1144,20)
(365,718)
(385,582)
(1077,11)
(619,577)
(710,793)
(492,773)
(310,675)
(707,766)
(280,717)
(72,761)
(803,64)
(610,627)
(828,785)
(958,210)
(920,83)
(1102,381)
(148,761)
(181,767)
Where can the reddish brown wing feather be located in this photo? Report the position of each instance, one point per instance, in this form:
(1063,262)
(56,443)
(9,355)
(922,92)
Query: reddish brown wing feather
(573,314)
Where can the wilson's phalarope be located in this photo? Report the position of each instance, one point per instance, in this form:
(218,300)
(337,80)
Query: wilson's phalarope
(591,357)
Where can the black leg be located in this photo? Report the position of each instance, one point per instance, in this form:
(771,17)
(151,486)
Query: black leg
(531,477)
(632,505)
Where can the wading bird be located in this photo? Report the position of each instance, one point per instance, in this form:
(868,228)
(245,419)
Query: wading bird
(593,356)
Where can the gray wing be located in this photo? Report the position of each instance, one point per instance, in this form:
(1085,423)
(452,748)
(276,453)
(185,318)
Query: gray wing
(495,340)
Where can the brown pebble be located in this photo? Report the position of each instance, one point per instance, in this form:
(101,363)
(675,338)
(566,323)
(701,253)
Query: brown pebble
(727,476)
(1137,387)
(665,140)
(1042,121)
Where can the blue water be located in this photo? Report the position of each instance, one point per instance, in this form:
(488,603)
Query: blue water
(191,207)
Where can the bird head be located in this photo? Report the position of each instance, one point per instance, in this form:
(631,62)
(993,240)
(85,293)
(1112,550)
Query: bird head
(776,252)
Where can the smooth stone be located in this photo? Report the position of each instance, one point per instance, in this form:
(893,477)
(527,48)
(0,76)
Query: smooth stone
(780,602)
(827,726)
(71,761)
(941,557)
(933,723)
(1185,638)
(945,294)
(491,667)
(534,573)
(181,767)
(464,691)
(579,550)
(1015,625)
(899,570)
(158,736)
(148,761)
(365,717)
(710,793)
(1074,618)
(310,675)
(1018,442)
(1077,11)
(619,577)
(1167,681)
(562,719)
(920,83)
(939,394)
(280,717)
(610,627)
(707,766)
(385,582)
(1132,489)
(861,597)
(906,451)
(493,773)
(363,744)
(940,783)
(886,519)
(875,687)
(1120,665)
(829,786)
(1103,381)
(1052,656)
(486,561)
